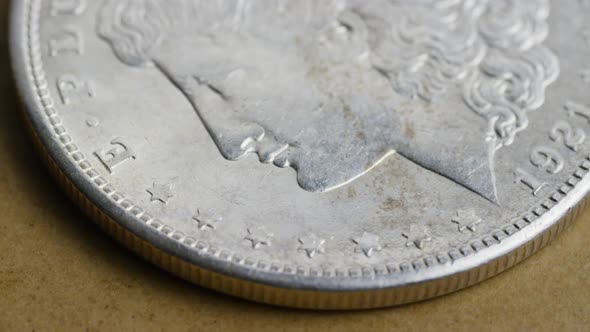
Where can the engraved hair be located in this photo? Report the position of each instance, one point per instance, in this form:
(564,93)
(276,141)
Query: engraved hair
(493,48)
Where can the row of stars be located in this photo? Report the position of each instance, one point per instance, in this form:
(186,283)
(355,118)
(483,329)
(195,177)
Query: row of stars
(367,243)
(311,244)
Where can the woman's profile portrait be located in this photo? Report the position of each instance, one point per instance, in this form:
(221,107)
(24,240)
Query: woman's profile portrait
(332,88)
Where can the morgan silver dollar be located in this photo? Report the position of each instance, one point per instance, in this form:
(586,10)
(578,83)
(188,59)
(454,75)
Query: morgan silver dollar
(332,154)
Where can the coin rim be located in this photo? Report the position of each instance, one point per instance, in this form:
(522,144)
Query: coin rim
(391,289)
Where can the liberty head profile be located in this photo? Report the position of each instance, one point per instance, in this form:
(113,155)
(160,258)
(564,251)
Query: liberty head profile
(332,88)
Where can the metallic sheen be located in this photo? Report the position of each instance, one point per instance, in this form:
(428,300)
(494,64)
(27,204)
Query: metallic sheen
(421,146)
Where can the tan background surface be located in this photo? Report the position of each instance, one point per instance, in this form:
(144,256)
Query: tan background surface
(60,272)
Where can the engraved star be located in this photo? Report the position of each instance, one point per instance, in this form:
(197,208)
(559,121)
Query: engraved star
(312,244)
(160,192)
(367,244)
(466,220)
(258,236)
(416,237)
(206,220)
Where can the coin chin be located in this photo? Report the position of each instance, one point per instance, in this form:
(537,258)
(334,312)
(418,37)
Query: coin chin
(313,175)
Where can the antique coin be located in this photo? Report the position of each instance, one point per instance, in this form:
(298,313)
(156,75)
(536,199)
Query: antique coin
(330,154)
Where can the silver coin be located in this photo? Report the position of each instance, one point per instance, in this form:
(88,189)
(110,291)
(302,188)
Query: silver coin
(325,154)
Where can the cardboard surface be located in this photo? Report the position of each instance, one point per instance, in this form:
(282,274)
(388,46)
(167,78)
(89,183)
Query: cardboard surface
(59,272)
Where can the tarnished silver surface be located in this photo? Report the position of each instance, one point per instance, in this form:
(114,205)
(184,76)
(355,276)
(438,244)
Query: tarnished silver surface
(417,139)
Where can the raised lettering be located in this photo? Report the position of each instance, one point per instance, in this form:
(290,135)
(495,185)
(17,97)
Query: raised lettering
(118,154)
(575,109)
(530,181)
(547,159)
(66,41)
(67,7)
(571,137)
(72,90)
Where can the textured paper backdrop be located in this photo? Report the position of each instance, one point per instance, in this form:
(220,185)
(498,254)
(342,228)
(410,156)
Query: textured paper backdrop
(58,272)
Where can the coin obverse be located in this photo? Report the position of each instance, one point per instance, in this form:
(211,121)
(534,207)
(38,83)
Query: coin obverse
(332,154)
